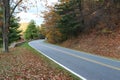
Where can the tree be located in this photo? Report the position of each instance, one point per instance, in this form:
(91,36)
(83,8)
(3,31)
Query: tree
(76,17)
(9,7)
(14,33)
(41,32)
(1,24)
(0,38)
(42,29)
(52,33)
(7,13)
(70,24)
(31,31)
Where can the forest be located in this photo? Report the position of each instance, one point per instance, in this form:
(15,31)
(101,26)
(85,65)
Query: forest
(86,25)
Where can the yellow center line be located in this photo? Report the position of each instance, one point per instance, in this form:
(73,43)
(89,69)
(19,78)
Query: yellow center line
(89,60)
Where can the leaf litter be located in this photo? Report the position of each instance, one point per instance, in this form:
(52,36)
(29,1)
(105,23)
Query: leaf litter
(23,64)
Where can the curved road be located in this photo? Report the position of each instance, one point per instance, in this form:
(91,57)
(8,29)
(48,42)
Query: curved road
(85,66)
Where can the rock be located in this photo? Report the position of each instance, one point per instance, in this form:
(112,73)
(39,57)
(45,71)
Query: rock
(13,45)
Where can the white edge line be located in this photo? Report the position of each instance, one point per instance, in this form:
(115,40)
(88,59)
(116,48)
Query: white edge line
(59,63)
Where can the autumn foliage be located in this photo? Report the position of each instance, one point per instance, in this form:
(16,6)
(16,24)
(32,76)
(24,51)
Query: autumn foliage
(51,31)
(87,25)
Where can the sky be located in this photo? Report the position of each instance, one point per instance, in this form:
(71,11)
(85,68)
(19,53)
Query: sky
(34,13)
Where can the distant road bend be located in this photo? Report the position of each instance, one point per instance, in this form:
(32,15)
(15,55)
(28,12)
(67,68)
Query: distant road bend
(83,65)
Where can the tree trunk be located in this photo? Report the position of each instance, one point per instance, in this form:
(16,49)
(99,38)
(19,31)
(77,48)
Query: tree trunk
(81,18)
(6,13)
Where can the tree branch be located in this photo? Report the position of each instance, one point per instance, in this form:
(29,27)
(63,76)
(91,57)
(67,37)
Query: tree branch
(15,7)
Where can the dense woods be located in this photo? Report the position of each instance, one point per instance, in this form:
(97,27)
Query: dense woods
(72,18)
(66,20)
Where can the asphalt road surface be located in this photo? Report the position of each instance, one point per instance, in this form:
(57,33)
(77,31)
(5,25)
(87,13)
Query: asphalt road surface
(85,66)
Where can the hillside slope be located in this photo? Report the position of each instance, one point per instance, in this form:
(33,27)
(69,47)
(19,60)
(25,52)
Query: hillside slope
(102,34)
(104,44)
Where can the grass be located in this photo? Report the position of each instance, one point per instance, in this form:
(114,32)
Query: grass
(25,63)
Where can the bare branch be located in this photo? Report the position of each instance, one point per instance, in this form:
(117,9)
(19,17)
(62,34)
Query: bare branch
(15,7)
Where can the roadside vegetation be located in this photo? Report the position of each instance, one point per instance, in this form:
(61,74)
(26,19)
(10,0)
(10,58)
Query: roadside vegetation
(25,63)
(86,25)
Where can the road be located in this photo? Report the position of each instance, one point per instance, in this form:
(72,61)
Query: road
(85,66)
